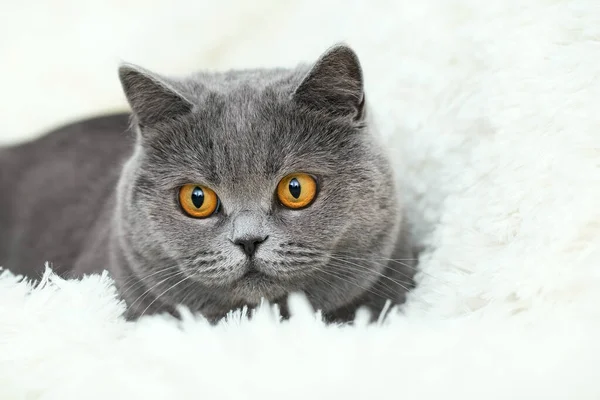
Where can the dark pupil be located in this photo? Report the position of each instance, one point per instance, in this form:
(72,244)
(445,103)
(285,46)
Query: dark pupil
(295,188)
(198,197)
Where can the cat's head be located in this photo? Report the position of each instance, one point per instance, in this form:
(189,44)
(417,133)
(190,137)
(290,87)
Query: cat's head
(254,184)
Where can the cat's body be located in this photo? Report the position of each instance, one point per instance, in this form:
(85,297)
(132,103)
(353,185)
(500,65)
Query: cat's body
(100,195)
(57,192)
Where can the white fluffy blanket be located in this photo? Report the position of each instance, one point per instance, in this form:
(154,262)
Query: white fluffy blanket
(492,112)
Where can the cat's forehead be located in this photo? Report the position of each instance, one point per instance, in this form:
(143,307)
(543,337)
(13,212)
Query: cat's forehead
(247,128)
(255,132)
(259,149)
(240,103)
(232,81)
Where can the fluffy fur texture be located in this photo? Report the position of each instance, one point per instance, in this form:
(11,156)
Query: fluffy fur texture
(491,112)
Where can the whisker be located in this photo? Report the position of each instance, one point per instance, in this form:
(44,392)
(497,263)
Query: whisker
(408,283)
(134,276)
(400,262)
(184,299)
(370,269)
(420,271)
(383,313)
(143,295)
(345,279)
(385,289)
(163,293)
(134,286)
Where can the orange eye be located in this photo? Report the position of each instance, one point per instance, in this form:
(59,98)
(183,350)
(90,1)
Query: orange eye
(198,201)
(297,190)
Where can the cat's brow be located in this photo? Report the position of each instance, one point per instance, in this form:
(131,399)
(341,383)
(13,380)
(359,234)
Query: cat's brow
(315,167)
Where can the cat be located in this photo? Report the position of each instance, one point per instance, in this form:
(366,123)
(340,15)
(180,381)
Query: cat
(218,190)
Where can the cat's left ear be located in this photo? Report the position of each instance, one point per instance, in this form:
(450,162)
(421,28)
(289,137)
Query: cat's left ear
(335,84)
(151,98)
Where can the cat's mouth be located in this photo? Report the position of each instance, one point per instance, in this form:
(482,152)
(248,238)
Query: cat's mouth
(254,274)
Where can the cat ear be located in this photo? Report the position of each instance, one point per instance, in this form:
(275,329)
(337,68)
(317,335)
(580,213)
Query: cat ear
(150,97)
(334,84)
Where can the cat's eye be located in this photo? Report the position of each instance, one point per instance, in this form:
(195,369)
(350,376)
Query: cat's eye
(297,191)
(198,201)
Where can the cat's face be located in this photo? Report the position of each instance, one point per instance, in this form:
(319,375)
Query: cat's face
(252,188)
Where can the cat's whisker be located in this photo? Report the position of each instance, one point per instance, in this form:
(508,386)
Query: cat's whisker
(388,289)
(345,279)
(141,281)
(324,281)
(387,279)
(420,271)
(371,256)
(165,292)
(137,277)
(400,261)
(389,294)
(364,267)
(143,295)
(184,298)
(411,281)
(383,289)
(292,267)
(378,273)
(383,265)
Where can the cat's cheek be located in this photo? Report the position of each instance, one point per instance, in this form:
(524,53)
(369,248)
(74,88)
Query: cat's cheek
(184,237)
(315,231)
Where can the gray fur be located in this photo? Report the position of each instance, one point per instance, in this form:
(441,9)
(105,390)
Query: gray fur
(90,196)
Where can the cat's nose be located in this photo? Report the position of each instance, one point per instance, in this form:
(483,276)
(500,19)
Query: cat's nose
(249,243)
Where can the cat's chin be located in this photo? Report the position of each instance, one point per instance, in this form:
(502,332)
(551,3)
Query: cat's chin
(253,282)
(255,286)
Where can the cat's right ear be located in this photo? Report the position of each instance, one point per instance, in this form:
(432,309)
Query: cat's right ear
(151,98)
(335,84)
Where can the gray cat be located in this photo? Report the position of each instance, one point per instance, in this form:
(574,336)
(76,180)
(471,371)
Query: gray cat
(231,187)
